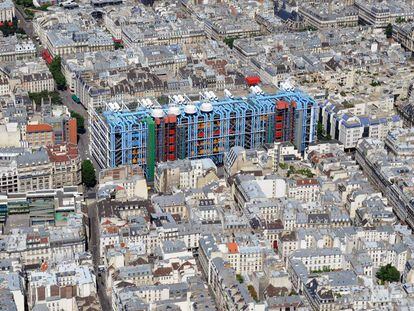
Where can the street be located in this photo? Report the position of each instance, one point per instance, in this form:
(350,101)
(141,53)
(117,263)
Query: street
(83,147)
(94,249)
(26,25)
(83,139)
(83,142)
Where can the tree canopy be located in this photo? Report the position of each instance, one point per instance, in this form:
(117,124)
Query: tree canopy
(229,41)
(253,293)
(11,28)
(88,174)
(118,45)
(80,122)
(321,133)
(400,20)
(388,31)
(25,3)
(148,2)
(239,278)
(45,95)
(388,273)
(55,69)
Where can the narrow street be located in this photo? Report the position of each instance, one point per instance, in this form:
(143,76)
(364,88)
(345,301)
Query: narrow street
(83,147)
(66,96)
(27,26)
(94,249)
(83,142)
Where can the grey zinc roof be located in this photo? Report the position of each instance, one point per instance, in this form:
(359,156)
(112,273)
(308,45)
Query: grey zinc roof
(316,252)
(208,244)
(342,278)
(37,157)
(184,165)
(170,246)
(133,271)
(169,200)
(285,300)
(6,4)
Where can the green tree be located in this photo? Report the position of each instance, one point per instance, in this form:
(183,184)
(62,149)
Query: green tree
(44,7)
(55,69)
(229,41)
(400,20)
(239,278)
(388,31)
(54,97)
(10,28)
(305,172)
(311,28)
(29,13)
(283,166)
(319,130)
(388,273)
(118,45)
(253,293)
(80,122)
(25,3)
(375,83)
(291,171)
(88,174)
(163,99)
(320,133)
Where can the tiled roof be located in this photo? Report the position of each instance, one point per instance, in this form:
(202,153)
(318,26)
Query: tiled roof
(33,128)
(233,247)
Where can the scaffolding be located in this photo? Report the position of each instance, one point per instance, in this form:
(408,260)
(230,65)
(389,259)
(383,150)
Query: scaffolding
(145,137)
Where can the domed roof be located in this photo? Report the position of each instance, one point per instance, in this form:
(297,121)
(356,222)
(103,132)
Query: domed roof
(157,113)
(190,109)
(206,107)
(175,110)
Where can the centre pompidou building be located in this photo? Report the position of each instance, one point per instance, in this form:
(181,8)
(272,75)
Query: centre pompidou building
(196,129)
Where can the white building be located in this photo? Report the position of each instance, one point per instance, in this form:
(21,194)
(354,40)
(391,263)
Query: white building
(305,190)
(126,181)
(10,135)
(9,178)
(401,142)
(248,189)
(184,174)
(58,288)
(4,86)
(282,153)
(12,291)
(7,11)
(348,125)
(244,259)
(320,259)
(109,233)
(15,48)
